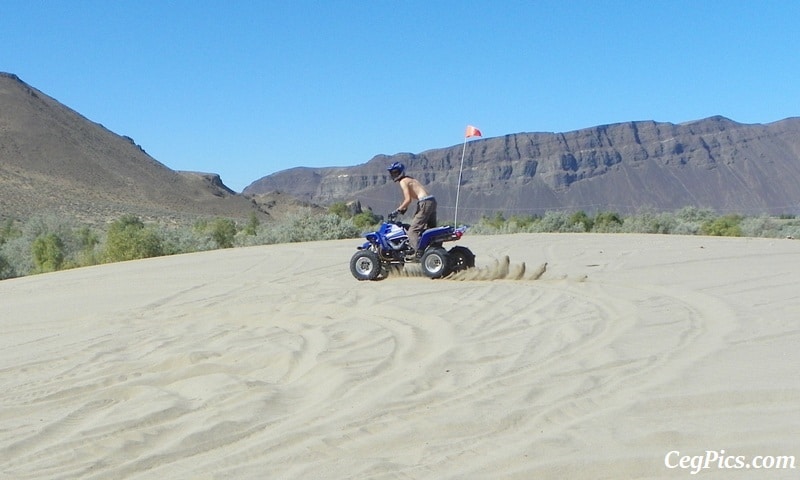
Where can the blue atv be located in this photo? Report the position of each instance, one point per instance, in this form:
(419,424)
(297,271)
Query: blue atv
(387,249)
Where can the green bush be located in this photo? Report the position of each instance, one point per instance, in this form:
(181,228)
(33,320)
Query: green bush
(581,221)
(649,222)
(556,222)
(184,239)
(607,222)
(88,242)
(523,223)
(48,252)
(307,226)
(361,220)
(252,225)
(340,209)
(497,222)
(726,226)
(129,239)
(695,214)
(365,220)
(32,247)
(223,231)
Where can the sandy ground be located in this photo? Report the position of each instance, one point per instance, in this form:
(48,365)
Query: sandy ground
(273,362)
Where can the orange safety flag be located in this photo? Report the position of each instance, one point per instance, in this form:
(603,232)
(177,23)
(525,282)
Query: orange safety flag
(472,132)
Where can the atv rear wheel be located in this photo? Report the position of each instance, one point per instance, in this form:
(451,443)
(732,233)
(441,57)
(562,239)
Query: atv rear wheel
(365,265)
(434,263)
(460,258)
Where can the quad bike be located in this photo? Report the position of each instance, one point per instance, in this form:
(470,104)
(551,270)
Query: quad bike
(387,249)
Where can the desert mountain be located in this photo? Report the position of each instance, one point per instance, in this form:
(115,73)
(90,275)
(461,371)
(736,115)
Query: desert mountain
(52,159)
(713,163)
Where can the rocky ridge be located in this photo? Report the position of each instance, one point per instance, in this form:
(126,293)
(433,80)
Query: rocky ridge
(712,163)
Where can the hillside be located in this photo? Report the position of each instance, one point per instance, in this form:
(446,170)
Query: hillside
(713,163)
(54,160)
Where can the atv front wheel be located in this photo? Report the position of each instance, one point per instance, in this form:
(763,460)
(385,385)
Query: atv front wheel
(434,263)
(365,265)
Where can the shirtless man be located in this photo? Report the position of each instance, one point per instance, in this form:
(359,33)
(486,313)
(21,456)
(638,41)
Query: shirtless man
(425,215)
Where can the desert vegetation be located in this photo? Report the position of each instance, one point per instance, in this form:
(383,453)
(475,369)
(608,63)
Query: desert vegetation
(50,243)
(686,221)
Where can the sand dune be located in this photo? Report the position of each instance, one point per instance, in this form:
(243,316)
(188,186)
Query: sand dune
(581,356)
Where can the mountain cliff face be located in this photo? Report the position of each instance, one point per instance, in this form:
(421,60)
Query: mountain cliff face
(53,160)
(712,163)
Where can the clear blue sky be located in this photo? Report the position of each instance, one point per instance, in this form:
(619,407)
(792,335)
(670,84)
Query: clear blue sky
(248,88)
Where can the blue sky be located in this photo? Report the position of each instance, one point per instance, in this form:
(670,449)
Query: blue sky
(248,88)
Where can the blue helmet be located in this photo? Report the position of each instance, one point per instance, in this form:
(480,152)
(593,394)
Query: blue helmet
(397,170)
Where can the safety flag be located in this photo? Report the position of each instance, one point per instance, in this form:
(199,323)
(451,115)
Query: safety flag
(472,132)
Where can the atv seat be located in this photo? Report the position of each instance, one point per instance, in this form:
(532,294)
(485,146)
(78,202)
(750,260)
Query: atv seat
(433,233)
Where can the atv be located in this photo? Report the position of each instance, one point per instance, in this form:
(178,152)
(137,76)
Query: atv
(387,249)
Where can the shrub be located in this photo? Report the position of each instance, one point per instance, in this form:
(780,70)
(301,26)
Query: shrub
(48,252)
(366,219)
(252,225)
(581,221)
(556,222)
(8,231)
(726,226)
(762,226)
(48,243)
(607,222)
(129,239)
(89,243)
(649,222)
(790,231)
(362,220)
(184,239)
(307,226)
(223,230)
(695,214)
(17,246)
(497,222)
(17,257)
(340,209)
(522,224)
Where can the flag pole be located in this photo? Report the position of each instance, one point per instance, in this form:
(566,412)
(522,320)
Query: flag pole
(458,187)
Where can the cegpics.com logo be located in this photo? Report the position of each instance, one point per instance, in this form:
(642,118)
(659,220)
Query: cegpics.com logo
(718,459)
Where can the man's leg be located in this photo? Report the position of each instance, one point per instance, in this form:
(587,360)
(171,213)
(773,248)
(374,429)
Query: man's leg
(424,218)
(415,231)
(431,209)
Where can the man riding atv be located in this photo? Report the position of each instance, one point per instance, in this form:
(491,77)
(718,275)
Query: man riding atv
(425,215)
